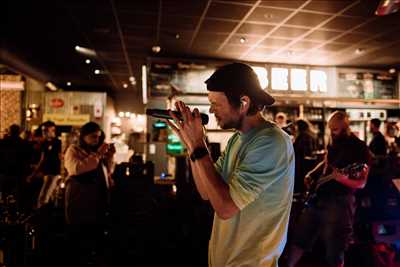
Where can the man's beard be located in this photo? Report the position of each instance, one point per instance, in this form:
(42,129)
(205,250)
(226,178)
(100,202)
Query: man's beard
(232,124)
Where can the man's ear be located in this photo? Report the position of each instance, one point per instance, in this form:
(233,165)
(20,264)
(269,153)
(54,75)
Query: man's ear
(244,103)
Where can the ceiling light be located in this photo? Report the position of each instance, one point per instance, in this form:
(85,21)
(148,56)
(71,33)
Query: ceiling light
(121,114)
(156,49)
(132,79)
(85,51)
(51,86)
(127,114)
(392,70)
(177,36)
(96,71)
(242,40)
(68,83)
(359,50)
(268,15)
(125,85)
(87,61)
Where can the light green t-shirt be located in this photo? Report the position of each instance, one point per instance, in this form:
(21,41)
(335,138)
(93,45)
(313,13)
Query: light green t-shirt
(258,166)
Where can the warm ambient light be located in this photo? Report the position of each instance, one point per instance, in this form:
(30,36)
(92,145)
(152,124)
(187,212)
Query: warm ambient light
(262,75)
(125,85)
(359,50)
(85,51)
(97,72)
(242,40)
(51,86)
(68,83)
(87,61)
(392,70)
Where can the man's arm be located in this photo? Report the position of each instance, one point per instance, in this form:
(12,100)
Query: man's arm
(210,184)
(199,184)
(352,183)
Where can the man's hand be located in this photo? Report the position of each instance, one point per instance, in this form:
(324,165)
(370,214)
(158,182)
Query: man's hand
(189,129)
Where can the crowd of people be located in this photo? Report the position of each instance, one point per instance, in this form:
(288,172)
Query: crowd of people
(250,187)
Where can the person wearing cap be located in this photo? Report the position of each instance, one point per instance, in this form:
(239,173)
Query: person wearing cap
(250,187)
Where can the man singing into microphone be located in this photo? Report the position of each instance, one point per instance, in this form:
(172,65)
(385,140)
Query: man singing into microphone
(250,187)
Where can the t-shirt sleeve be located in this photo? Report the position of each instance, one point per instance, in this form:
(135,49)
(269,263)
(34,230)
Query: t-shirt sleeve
(267,158)
(220,162)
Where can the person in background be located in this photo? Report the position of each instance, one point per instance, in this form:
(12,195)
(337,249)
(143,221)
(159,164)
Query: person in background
(89,166)
(281,119)
(305,144)
(330,218)
(50,162)
(377,145)
(14,165)
(250,187)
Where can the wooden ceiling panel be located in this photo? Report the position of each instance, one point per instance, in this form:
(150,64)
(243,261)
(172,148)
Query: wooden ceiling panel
(248,39)
(211,37)
(275,42)
(182,8)
(321,35)
(351,38)
(179,23)
(268,15)
(289,32)
(307,19)
(282,4)
(327,6)
(227,11)
(343,23)
(303,45)
(252,28)
(212,25)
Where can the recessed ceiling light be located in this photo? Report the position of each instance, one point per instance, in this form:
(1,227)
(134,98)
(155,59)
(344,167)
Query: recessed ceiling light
(68,83)
(97,72)
(268,15)
(77,48)
(177,36)
(392,70)
(121,114)
(132,79)
(87,61)
(125,85)
(156,49)
(242,40)
(359,50)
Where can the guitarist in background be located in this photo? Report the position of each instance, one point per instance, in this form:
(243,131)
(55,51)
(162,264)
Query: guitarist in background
(330,219)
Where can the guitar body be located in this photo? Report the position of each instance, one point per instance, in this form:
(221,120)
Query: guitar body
(310,197)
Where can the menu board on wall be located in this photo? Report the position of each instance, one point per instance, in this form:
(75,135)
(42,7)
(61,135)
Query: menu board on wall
(185,78)
(367,85)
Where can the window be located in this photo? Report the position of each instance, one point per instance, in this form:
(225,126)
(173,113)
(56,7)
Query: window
(262,75)
(318,81)
(279,79)
(298,79)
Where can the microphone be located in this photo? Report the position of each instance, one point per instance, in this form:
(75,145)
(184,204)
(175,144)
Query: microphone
(164,113)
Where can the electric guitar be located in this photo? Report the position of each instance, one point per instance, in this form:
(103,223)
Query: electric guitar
(353,170)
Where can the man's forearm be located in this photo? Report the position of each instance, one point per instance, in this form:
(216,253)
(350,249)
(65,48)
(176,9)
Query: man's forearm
(216,189)
(198,182)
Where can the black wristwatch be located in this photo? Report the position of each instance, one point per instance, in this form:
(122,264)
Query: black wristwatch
(198,153)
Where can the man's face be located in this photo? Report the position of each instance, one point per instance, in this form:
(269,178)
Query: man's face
(50,132)
(227,116)
(337,128)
